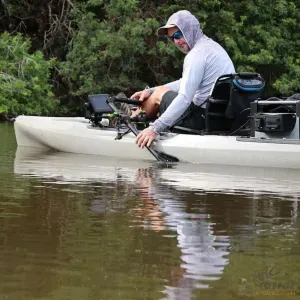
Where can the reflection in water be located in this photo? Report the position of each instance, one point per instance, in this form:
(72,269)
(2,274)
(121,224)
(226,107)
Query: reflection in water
(82,234)
(203,253)
(79,168)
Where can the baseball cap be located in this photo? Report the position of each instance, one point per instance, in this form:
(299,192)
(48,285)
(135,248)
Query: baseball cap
(163,31)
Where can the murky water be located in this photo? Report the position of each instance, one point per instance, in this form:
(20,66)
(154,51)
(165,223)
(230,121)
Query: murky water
(86,227)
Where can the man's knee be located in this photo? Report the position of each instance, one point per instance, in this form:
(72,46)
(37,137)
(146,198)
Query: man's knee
(158,94)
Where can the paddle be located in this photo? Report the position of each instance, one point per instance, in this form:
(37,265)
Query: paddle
(160,156)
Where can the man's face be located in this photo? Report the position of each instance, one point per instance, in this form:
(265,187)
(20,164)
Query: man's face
(181,42)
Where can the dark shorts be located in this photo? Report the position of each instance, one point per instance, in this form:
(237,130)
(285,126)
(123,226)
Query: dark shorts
(192,118)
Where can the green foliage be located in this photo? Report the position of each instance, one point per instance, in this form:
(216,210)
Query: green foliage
(112,54)
(24,78)
(113,46)
(262,36)
(116,49)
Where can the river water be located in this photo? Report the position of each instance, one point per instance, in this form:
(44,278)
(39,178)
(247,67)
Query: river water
(87,227)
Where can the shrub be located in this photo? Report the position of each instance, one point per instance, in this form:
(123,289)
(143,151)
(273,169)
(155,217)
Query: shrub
(24,78)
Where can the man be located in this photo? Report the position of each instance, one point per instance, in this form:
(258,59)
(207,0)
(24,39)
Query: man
(180,101)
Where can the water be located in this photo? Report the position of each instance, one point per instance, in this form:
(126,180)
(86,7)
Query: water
(86,227)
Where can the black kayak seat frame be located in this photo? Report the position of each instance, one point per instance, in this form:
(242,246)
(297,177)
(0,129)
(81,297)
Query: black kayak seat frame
(228,106)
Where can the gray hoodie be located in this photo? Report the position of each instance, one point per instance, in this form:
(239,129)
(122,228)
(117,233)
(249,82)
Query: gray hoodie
(203,64)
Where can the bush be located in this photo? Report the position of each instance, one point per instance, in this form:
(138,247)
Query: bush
(24,79)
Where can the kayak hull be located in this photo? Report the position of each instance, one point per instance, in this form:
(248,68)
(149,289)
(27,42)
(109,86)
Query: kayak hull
(77,135)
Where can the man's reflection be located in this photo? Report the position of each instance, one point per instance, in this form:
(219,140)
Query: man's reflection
(203,254)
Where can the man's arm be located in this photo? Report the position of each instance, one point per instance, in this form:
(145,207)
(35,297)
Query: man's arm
(189,83)
(174,86)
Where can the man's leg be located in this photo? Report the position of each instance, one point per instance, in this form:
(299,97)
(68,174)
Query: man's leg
(151,105)
(192,117)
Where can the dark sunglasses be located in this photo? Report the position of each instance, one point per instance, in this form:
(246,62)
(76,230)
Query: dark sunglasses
(176,35)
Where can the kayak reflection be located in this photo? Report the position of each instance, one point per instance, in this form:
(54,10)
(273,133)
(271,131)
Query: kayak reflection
(74,168)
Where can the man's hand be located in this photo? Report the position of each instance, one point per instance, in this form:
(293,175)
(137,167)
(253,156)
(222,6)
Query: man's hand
(142,95)
(145,138)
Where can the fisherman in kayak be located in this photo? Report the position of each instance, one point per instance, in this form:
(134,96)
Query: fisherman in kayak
(182,101)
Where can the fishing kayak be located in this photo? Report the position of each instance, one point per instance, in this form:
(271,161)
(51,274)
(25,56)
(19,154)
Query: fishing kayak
(78,135)
(271,140)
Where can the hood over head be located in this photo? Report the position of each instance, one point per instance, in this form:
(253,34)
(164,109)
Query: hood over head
(187,24)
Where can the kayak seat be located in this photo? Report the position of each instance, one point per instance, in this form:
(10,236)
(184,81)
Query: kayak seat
(216,120)
(228,106)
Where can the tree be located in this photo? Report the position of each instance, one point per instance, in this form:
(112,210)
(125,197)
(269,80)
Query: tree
(112,45)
